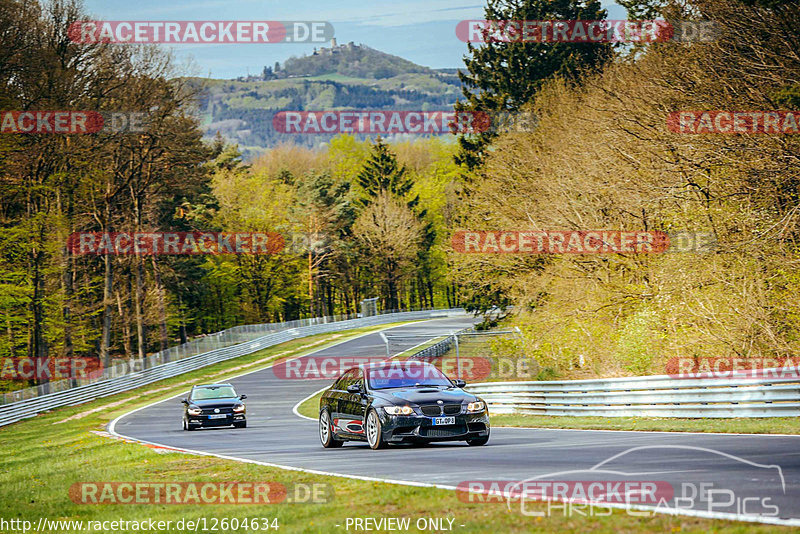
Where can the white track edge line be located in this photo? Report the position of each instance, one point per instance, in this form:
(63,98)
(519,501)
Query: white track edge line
(111,427)
(296,406)
(655,431)
(668,511)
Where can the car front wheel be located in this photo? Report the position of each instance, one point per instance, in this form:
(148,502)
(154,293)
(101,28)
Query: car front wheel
(476,442)
(374,431)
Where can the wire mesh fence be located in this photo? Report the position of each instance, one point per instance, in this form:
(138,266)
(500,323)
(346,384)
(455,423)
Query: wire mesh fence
(493,355)
(200,345)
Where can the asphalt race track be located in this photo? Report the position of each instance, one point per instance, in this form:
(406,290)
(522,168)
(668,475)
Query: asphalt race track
(747,475)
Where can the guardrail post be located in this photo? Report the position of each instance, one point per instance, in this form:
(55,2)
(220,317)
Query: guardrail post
(458,363)
(386,341)
(116,377)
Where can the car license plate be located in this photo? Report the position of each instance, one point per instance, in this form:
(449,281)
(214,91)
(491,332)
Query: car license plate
(444,420)
(218,416)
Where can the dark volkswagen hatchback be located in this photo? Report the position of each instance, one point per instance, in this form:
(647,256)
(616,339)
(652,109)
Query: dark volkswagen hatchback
(213,405)
(400,401)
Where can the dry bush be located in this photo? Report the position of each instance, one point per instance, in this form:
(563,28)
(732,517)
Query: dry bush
(603,158)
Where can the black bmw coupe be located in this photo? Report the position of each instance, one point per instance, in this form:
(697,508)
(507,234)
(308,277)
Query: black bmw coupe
(400,401)
(214,405)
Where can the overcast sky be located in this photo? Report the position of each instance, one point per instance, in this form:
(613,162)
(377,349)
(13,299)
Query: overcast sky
(422,31)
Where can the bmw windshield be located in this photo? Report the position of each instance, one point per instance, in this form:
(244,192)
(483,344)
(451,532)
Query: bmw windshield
(406,375)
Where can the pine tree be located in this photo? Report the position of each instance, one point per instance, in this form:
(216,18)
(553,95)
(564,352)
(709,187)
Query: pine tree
(504,76)
(383,177)
(382,173)
(643,9)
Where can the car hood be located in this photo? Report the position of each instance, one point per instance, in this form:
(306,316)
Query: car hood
(424,395)
(216,403)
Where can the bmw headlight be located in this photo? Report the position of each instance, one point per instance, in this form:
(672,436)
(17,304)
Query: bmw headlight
(239,408)
(399,410)
(194,410)
(475,407)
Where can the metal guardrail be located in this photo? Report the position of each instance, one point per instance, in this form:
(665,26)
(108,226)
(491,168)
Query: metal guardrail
(16,411)
(647,396)
(438,349)
(199,345)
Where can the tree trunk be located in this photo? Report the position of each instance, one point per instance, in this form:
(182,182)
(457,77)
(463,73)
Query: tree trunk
(182,329)
(37,305)
(10,334)
(141,334)
(108,286)
(126,328)
(162,307)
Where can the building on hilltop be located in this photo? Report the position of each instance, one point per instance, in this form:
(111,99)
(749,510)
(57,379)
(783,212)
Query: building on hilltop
(335,48)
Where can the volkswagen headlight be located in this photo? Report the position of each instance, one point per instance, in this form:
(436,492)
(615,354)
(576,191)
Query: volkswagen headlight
(194,410)
(475,407)
(239,408)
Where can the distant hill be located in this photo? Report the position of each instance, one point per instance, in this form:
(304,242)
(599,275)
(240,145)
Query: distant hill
(342,77)
(353,60)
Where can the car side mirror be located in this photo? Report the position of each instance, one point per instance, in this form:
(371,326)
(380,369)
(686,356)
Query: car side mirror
(459,383)
(184,401)
(354,388)
(243,397)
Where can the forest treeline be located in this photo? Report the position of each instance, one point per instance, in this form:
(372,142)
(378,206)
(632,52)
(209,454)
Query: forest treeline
(601,157)
(377,212)
(244,111)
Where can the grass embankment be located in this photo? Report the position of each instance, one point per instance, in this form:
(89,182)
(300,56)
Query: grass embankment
(766,425)
(42,457)
(310,407)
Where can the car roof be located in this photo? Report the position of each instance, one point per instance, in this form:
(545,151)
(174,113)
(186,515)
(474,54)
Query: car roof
(213,386)
(383,365)
(392,363)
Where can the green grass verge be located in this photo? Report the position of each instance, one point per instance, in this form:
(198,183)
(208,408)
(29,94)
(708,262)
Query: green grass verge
(310,407)
(764,425)
(42,457)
